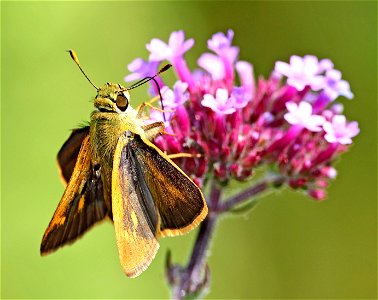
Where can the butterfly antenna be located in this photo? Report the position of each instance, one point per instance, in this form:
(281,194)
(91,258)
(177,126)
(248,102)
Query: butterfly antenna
(149,78)
(76,60)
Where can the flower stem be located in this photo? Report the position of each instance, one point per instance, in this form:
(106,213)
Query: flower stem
(195,276)
(191,282)
(249,192)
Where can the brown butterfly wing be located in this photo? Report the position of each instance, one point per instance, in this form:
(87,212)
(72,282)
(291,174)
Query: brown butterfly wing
(67,155)
(134,213)
(81,206)
(179,201)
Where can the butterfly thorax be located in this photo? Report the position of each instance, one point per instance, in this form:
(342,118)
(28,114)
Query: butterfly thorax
(112,117)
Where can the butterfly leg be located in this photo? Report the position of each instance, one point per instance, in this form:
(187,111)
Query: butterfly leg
(141,108)
(153,129)
(179,155)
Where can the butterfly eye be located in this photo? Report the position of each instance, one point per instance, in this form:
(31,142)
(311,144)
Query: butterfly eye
(122,102)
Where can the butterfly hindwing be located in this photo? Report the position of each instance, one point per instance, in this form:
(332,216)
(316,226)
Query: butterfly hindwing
(81,206)
(67,155)
(134,213)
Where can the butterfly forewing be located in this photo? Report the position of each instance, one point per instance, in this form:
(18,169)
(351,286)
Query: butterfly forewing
(179,202)
(81,206)
(134,212)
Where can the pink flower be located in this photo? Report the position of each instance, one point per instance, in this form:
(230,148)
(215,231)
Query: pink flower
(141,69)
(338,131)
(222,45)
(239,97)
(302,115)
(245,71)
(176,46)
(334,86)
(177,97)
(221,65)
(302,72)
(213,65)
(238,127)
(174,52)
(221,104)
(235,126)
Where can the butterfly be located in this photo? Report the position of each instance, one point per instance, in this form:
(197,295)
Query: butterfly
(112,170)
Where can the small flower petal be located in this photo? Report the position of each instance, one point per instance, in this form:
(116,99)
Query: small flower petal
(176,47)
(222,46)
(302,115)
(158,50)
(325,65)
(220,41)
(302,72)
(338,131)
(334,86)
(212,64)
(140,69)
(221,104)
(177,97)
(240,98)
(245,71)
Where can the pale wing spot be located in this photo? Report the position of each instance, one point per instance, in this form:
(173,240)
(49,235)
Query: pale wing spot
(127,237)
(60,220)
(81,203)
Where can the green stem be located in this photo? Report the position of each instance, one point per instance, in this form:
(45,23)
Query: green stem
(233,201)
(195,276)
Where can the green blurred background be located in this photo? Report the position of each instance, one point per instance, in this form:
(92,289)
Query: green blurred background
(289,247)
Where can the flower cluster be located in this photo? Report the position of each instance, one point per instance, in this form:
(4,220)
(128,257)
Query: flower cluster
(288,123)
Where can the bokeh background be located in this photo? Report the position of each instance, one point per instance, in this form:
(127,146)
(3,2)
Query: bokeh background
(289,247)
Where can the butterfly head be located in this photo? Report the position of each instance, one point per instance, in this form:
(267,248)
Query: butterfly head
(112,98)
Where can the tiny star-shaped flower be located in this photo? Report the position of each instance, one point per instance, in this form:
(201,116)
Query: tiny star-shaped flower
(221,104)
(301,114)
(176,46)
(302,72)
(338,131)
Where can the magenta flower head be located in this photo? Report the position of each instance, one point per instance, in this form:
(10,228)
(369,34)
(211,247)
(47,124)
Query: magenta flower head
(289,124)
(282,121)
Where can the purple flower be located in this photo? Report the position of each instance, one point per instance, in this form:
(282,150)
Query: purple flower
(302,115)
(245,71)
(141,69)
(221,65)
(324,65)
(177,97)
(174,52)
(239,98)
(334,86)
(235,126)
(338,131)
(176,47)
(157,116)
(302,72)
(213,65)
(222,45)
(239,127)
(221,104)
(337,108)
